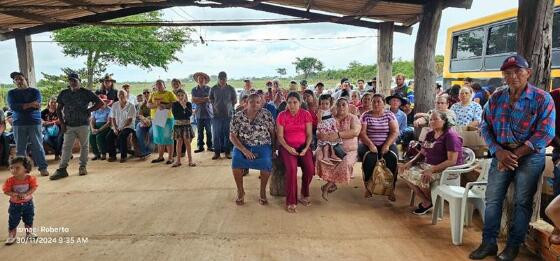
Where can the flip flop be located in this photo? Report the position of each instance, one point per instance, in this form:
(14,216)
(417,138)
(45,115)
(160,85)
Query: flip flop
(158,160)
(168,162)
(263,201)
(324,192)
(291,209)
(176,165)
(304,202)
(192,164)
(240,200)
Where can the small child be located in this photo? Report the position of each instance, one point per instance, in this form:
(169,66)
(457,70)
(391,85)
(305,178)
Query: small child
(327,125)
(182,131)
(20,188)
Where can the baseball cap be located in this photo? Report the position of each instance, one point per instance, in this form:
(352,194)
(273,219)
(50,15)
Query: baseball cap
(514,60)
(303,82)
(15,74)
(343,80)
(222,75)
(73,76)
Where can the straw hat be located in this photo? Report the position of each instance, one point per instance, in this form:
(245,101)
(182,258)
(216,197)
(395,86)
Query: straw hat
(107,78)
(195,76)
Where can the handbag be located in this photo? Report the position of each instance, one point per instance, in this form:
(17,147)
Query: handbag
(339,151)
(381,180)
(53,130)
(277,180)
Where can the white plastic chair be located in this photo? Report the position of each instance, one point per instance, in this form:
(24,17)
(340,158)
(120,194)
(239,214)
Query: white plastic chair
(469,160)
(458,197)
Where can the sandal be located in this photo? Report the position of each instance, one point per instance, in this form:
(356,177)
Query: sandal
(240,200)
(158,160)
(176,165)
(324,192)
(368,194)
(191,164)
(168,162)
(392,197)
(333,188)
(304,202)
(291,209)
(263,201)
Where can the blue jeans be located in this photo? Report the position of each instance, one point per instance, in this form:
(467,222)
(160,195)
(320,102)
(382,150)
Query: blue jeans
(34,135)
(23,211)
(55,142)
(556,171)
(220,135)
(526,178)
(204,124)
(144,138)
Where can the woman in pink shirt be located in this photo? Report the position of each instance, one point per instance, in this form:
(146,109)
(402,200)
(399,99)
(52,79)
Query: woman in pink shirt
(294,131)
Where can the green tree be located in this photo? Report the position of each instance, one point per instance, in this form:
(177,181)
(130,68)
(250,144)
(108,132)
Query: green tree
(308,66)
(51,85)
(146,47)
(281,71)
(404,67)
(439,64)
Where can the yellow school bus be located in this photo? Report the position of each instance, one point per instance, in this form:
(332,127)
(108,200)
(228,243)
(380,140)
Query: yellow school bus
(476,49)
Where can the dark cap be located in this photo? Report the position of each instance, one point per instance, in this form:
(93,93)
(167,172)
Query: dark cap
(514,60)
(15,74)
(247,80)
(303,82)
(268,83)
(343,80)
(222,75)
(73,76)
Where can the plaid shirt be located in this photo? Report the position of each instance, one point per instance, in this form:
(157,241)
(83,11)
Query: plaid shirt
(529,121)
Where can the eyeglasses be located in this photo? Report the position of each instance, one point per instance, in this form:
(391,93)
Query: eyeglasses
(441,102)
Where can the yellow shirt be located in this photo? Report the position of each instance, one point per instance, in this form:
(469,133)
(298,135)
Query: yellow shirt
(164,96)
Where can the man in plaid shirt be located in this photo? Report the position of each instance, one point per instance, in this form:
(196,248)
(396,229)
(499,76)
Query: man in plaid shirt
(517,124)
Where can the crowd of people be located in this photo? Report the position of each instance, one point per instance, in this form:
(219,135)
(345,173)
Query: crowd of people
(323,132)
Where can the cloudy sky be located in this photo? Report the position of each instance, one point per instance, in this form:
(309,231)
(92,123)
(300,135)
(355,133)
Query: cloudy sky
(246,59)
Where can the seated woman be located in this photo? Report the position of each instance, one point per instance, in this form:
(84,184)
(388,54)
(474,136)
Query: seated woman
(378,135)
(100,125)
(442,148)
(347,130)
(468,113)
(365,103)
(294,130)
(123,115)
(252,134)
(143,125)
(355,98)
(52,136)
(442,105)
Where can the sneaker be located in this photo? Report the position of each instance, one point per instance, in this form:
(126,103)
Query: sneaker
(82,171)
(421,210)
(10,240)
(95,157)
(216,156)
(44,172)
(103,157)
(228,155)
(199,150)
(59,174)
(112,159)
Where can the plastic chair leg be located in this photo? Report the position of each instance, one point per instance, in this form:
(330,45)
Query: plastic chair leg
(441,202)
(469,214)
(455,221)
(436,208)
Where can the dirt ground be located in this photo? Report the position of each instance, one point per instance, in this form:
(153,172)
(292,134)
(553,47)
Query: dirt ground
(142,211)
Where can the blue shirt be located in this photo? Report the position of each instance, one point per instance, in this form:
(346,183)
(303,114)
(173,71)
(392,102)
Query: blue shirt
(401,119)
(272,109)
(16,98)
(202,111)
(530,121)
(101,115)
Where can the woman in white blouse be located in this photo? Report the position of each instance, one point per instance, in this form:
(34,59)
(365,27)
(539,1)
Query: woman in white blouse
(467,112)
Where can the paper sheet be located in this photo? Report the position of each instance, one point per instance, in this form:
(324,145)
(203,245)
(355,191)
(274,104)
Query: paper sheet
(160,118)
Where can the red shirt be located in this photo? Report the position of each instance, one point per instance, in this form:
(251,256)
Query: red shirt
(294,126)
(20,186)
(556,98)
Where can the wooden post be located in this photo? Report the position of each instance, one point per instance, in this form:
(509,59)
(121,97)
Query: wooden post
(385,57)
(424,57)
(25,56)
(534,38)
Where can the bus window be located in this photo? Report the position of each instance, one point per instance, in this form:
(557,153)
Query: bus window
(502,38)
(468,44)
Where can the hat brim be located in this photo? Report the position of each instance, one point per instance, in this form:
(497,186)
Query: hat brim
(195,76)
(111,80)
(403,101)
(507,66)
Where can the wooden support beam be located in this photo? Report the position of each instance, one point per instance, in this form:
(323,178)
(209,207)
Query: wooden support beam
(25,56)
(198,23)
(314,16)
(30,16)
(368,6)
(534,38)
(385,58)
(424,57)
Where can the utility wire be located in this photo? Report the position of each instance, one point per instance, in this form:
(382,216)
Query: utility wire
(216,40)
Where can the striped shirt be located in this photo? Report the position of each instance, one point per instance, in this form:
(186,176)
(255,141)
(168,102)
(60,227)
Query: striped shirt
(377,128)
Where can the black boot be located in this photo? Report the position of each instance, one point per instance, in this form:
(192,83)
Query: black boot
(510,253)
(199,150)
(484,250)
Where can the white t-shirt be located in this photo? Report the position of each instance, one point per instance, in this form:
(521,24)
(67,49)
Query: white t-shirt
(121,115)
